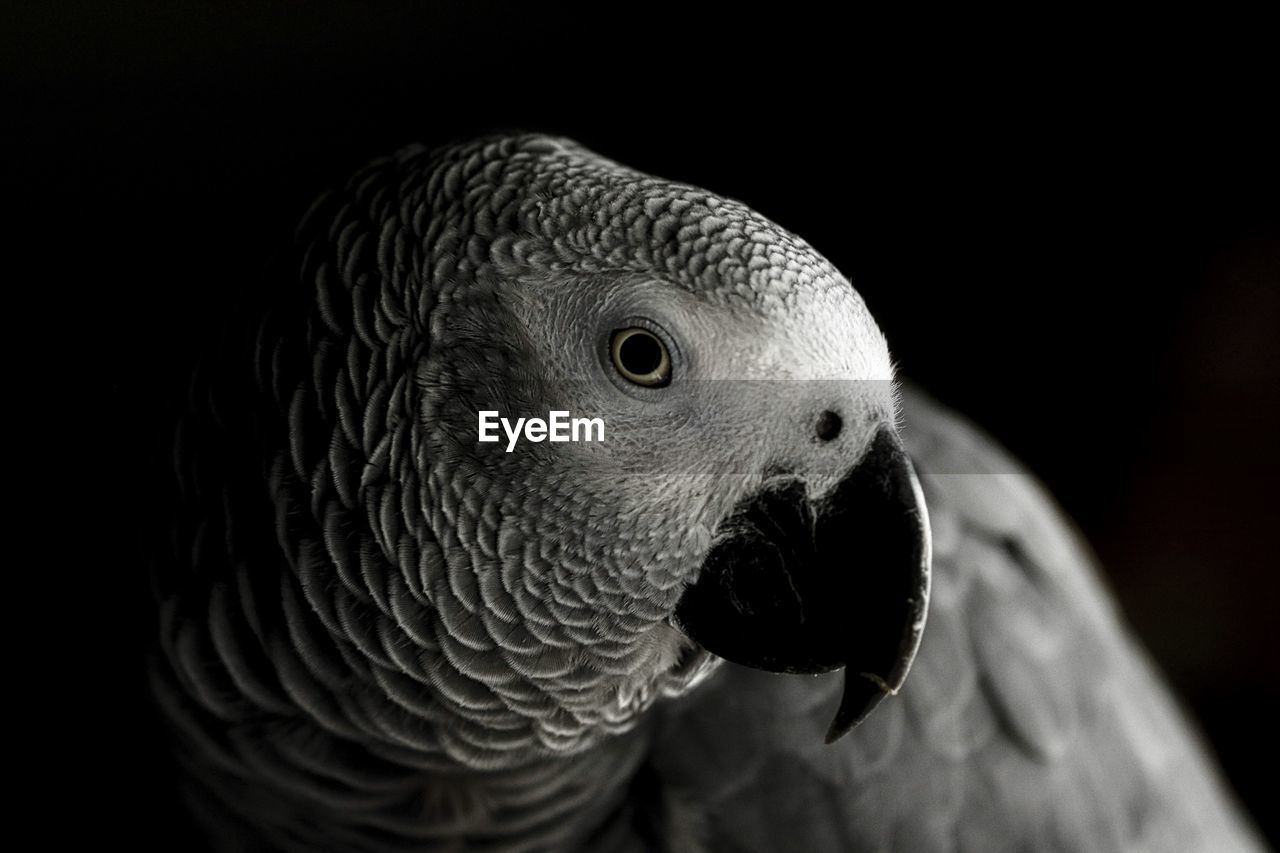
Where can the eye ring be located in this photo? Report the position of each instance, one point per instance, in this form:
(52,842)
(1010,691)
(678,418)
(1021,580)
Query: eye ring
(640,357)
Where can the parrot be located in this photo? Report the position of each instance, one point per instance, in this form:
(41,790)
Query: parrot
(784,601)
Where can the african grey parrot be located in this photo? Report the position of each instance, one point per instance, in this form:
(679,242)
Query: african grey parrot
(378,632)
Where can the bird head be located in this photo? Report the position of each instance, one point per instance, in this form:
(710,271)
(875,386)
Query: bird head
(746,497)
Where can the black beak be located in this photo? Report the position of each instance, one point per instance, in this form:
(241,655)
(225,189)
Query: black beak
(797,586)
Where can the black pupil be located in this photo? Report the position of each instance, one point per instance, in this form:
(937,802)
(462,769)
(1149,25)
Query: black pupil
(640,353)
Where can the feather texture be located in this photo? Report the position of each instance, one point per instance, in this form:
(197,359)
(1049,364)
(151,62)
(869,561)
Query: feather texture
(372,641)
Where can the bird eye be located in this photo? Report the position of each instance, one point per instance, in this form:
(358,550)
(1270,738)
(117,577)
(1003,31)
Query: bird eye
(641,357)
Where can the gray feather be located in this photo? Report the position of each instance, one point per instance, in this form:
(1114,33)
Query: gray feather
(374,638)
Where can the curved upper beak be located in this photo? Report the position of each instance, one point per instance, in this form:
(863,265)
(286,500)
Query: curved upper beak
(803,586)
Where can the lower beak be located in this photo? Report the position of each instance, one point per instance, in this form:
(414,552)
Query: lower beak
(800,586)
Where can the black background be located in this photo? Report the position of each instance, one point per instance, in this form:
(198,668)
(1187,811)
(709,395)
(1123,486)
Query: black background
(1068,229)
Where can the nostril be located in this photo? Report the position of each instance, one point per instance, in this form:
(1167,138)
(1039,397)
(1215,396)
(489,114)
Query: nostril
(828,426)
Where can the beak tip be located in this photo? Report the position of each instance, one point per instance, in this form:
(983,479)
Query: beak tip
(863,691)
